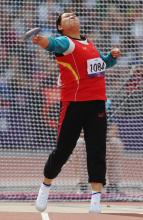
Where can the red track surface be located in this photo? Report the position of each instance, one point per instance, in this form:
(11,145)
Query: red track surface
(68,216)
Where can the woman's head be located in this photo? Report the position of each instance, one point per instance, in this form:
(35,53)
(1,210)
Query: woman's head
(67,22)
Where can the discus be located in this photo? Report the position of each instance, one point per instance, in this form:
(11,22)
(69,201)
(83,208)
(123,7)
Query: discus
(31,33)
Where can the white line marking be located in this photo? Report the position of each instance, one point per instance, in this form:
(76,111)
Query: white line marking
(45,216)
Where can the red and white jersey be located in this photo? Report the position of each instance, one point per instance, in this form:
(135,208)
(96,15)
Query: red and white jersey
(82,72)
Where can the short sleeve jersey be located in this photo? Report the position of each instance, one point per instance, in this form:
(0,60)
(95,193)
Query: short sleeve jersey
(82,68)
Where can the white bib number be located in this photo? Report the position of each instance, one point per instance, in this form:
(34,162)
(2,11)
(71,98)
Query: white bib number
(95,66)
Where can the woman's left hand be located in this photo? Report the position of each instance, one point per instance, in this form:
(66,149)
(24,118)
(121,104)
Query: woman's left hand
(115,52)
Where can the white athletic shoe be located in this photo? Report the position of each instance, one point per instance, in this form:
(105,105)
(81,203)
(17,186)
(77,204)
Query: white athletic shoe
(94,208)
(42,198)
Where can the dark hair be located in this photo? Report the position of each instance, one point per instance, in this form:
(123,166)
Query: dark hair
(58,22)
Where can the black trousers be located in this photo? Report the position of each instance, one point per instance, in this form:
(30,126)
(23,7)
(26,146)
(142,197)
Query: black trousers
(75,116)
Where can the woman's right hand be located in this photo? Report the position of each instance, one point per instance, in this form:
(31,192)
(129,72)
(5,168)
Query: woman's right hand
(40,40)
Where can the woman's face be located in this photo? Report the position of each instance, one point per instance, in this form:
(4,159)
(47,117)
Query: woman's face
(69,22)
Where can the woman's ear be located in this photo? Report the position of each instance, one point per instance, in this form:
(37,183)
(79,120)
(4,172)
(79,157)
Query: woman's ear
(60,28)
